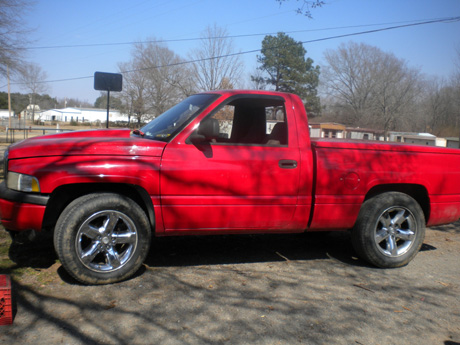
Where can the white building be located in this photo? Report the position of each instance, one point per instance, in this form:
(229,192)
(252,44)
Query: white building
(452,142)
(82,115)
(357,133)
(4,113)
(421,139)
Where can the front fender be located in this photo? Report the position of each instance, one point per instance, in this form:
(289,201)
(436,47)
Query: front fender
(53,172)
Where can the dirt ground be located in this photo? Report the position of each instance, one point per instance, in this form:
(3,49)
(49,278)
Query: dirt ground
(267,289)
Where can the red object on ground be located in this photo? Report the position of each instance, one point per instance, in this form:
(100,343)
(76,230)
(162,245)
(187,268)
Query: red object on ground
(6,307)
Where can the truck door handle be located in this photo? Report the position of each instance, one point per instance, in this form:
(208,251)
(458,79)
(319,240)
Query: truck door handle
(287,164)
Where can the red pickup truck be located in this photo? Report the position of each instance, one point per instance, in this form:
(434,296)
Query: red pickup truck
(224,162)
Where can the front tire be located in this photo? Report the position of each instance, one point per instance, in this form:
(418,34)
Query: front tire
(390,230)
(102,238)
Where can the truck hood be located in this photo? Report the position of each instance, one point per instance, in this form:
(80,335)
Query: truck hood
(114,142)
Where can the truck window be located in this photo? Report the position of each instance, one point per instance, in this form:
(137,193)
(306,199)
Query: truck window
(249,121)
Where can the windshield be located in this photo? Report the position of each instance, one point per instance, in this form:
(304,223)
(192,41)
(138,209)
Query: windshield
(171,122)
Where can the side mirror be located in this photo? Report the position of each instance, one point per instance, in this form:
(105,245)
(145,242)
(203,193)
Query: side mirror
(208,130)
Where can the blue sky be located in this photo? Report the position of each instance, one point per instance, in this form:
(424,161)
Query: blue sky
(432,48)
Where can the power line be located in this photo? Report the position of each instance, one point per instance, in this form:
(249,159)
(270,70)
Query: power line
(445,20)
(412,22)
(452,19)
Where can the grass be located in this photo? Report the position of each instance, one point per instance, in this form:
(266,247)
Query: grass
(32,263)
(6,265)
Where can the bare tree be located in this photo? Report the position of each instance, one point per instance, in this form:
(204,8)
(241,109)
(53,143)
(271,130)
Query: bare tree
(370,86)
(164,73)
(32,78)
(154,80)
(134,94)
(306,6)
(456,88)
(440,104)
(348,78)
(13,35)
(436,106)
(257,80)
(72,102)
(395,94)
(216,61)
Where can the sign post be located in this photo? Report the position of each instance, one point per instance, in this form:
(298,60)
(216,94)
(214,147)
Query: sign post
(108,82)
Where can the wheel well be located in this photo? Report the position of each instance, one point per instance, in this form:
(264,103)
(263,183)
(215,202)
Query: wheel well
(417,192)
(64,195)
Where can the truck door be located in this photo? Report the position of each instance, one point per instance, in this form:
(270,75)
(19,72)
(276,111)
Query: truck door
(244,178)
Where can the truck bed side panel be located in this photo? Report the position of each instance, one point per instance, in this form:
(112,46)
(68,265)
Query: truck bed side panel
(346,172)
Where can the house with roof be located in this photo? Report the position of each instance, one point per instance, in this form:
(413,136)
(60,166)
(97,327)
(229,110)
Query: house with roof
(427,139)
(452,143)
(336,130)
(327,130)
(364,133)
(421,139)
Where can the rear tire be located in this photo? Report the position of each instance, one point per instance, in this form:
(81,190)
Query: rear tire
(102,238)
(390,230)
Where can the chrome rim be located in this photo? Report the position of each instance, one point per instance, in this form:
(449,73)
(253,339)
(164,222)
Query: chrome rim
(106,241)
(395,231)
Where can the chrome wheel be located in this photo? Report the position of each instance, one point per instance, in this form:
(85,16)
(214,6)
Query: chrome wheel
(395,231)
(106,241)
(389,230)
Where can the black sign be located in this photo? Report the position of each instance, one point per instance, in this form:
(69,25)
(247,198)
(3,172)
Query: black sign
(108,81)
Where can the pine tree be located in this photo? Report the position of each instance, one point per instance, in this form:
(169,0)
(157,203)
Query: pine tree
(287,69)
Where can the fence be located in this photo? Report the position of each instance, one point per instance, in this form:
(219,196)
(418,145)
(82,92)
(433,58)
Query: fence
(14,122)
(14,134)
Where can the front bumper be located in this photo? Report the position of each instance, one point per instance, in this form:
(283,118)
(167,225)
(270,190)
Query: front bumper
(21,211)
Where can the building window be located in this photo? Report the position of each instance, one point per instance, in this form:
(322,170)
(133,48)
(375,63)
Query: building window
(329,133)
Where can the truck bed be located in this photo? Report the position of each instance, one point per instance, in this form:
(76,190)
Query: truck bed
(348,172)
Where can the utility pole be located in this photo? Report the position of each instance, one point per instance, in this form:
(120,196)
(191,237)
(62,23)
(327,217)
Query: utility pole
(9,95)
(108,108)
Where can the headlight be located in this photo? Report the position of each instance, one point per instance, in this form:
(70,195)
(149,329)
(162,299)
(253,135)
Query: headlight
(22,183)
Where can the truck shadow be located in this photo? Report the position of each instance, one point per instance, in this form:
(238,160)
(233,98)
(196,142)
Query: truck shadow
(211,250)
(239,249)
(244,249)
(37,253)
